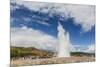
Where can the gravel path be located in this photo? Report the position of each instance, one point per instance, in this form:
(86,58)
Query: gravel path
(28,62)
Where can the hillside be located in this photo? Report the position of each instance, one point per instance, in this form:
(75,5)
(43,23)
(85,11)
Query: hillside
(17,52)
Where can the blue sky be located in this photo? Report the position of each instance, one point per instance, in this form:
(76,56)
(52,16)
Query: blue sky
(78,20)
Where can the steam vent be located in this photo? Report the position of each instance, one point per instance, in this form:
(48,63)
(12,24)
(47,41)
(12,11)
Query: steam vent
(63,38)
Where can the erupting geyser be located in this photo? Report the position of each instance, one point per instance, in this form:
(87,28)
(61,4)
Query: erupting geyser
(64,43)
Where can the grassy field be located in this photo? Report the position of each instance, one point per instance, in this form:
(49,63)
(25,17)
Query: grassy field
(17,52)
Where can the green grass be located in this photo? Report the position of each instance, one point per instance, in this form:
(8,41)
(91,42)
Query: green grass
(31,51)
(17,52)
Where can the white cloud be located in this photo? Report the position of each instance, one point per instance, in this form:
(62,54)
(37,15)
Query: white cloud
(37,19)
(26,19)
(80,48)
(27,37)
(14,7)
(83,48)
(72,48)
(91,48)
(83,14)
(40,20)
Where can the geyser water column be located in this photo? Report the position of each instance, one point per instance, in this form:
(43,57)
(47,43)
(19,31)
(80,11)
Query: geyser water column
(63,45)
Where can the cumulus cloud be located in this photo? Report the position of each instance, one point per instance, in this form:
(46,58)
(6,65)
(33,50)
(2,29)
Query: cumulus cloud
(40,20)
(14,7)
(26,19)
(27,37)
(82,48)
(84,15)
(91,49)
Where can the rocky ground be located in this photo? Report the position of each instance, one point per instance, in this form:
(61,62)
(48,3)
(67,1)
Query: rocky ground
(54,60)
